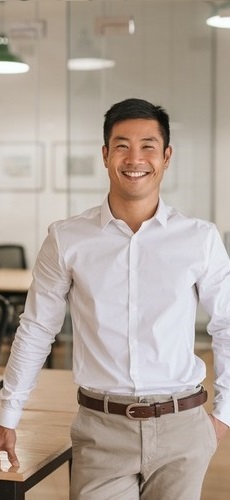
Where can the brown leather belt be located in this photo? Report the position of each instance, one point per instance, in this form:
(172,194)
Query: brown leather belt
(142,410)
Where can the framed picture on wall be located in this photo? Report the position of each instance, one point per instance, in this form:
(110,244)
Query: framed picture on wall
(21,166)
(79,167)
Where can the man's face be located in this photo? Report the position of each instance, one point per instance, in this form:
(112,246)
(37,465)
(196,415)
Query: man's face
(135,159)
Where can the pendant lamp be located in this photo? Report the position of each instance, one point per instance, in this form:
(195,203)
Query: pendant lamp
(10,63)
(87,58)
(220,17)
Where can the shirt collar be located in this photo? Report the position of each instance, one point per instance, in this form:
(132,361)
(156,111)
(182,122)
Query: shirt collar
(162,213)
(106,216)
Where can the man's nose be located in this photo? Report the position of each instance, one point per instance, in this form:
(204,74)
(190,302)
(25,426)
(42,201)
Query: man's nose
(134,157)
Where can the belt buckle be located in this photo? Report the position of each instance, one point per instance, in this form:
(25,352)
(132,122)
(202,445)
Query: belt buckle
(128,411)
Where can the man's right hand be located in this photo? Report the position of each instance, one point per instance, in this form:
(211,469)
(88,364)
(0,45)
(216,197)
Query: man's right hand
(7,443)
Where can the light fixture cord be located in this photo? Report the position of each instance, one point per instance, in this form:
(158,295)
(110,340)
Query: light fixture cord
(219,6)
(223,5)
(3,16)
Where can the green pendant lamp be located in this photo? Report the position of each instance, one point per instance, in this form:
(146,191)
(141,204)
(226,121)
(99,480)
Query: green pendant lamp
(10,63)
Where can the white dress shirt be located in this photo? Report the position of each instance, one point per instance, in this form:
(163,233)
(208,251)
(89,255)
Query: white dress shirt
(133,300)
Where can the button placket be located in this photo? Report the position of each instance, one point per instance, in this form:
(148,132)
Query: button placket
(133,310)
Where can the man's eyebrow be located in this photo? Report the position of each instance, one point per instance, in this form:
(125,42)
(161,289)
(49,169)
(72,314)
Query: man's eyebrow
(150,139)
(123,138)
(120,138)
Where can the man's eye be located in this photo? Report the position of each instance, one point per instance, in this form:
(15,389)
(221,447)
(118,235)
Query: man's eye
(121,146)
(148,146)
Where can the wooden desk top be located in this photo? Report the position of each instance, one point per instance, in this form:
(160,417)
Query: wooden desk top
(15,280)
(41,437)
(44,430)
(55,391)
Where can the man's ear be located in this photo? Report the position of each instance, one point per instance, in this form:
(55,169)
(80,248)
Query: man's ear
(168,154)
(105,155)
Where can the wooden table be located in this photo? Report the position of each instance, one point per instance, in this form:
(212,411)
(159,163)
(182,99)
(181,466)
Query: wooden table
(43,435)
(16,281)
(55,391)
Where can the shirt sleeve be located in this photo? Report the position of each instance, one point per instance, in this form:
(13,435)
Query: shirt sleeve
(39,324)
(214,294)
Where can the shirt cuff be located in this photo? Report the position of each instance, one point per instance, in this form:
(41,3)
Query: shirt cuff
(10,418)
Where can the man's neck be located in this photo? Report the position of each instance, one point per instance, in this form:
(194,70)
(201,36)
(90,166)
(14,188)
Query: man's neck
(133,212)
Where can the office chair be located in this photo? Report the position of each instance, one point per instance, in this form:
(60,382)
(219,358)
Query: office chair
(4,318)
(12,256)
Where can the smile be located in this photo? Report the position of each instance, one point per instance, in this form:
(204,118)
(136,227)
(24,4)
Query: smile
(135,174)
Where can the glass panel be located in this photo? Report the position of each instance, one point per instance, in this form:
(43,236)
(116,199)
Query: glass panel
(33,119)
(167,60)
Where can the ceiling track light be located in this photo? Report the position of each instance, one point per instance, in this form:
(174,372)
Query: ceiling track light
(220,18)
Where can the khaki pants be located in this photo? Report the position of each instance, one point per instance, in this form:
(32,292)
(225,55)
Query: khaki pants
(161,458)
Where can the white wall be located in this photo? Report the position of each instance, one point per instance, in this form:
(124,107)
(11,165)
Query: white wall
(222,159)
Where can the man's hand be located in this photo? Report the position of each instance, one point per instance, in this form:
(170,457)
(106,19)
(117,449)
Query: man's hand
(7,443)
(219,427)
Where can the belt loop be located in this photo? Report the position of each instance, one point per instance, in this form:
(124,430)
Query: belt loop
(175,403)
(106,404)
(157,410)
(78,395)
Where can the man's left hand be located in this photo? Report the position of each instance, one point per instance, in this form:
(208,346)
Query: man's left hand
(219,427)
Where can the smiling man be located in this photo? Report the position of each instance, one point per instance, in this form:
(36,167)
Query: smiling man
(133,271)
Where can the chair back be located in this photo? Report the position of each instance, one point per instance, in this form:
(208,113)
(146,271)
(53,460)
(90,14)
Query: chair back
(12,256)
(4,317)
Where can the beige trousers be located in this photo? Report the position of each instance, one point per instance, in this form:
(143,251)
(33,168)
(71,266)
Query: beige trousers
(162,458)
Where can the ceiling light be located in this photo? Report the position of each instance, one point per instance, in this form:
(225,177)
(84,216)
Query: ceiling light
(89,63)
(9,62)
(87,58)
(220,17)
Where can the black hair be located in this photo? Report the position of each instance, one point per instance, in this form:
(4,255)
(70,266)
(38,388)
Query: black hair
(136,108)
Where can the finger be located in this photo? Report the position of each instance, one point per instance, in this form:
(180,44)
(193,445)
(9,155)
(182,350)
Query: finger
(13,459)
(10,441)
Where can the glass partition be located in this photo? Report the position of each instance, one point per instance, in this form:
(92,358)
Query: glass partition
(33,118)
(166,57)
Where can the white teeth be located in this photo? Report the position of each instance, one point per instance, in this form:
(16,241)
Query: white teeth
(135,174)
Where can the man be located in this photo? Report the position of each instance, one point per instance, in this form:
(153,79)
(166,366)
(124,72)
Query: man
(133,271)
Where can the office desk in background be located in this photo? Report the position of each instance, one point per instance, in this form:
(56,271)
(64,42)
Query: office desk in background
(14,285)
(43,435)
(15,281)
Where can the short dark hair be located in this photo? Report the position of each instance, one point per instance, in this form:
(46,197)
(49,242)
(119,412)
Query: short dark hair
(136,108)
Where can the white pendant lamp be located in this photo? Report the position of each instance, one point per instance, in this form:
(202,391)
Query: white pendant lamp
(220,17)
(89,63)
(87,58)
